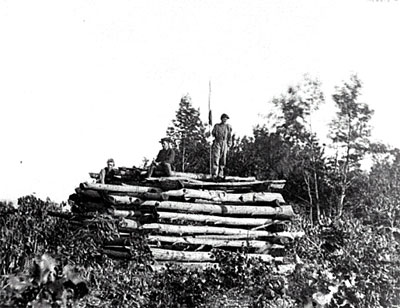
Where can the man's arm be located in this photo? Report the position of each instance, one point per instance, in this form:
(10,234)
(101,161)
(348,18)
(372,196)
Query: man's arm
(214,131)
(159,157)
(102,176)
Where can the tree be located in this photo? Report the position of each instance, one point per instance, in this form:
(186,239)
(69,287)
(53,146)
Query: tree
(350,132)
(294,124)
(188,133)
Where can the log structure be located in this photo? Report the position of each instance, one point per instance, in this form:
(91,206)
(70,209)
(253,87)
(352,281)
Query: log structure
(186,215)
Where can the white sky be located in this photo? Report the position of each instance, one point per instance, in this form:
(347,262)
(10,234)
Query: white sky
(82,81)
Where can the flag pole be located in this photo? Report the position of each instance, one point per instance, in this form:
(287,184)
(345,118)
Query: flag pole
(209,121)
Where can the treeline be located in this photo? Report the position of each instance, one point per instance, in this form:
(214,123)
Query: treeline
(324,179)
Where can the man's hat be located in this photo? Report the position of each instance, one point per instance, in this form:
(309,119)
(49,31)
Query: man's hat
(224,115)
(166,139)
(110,160)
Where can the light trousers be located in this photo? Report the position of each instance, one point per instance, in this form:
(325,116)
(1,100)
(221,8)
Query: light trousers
(219,151)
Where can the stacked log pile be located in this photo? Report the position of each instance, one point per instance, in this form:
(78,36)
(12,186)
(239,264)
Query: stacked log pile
(186,215)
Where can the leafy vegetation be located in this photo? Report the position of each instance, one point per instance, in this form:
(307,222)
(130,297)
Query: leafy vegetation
(349,256)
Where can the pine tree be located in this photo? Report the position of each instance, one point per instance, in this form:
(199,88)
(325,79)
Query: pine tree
(188,133)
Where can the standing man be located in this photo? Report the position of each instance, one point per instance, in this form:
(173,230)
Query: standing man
(222,134)
(164,160)
(107,173)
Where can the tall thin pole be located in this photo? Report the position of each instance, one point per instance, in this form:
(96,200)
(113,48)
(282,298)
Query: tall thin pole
(210,121)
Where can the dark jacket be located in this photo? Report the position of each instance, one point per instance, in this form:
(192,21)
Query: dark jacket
(166,156)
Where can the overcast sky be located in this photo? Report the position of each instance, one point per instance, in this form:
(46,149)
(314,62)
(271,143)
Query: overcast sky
(82,81)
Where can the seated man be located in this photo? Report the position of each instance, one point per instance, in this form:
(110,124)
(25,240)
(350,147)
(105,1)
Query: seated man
(107,173)
(164,160)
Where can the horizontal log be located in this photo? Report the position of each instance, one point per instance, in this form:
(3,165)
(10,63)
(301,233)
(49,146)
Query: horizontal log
(200,176)
(204,230)
(280,212)
(215,243)
(200,256)
(134,214)
(224,197)
(181,182)
(131,189)
(162,265)
(126,172)
(133,199)
(256,185)
(275,184)
(218,220)
(94,175)
(125,213)
(124,223)
(117,200)
(131,174)
(285,235)
(121,248)
(88,194)
(129,223)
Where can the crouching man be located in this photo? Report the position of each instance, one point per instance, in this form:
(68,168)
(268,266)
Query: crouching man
(107,173)
(165,159)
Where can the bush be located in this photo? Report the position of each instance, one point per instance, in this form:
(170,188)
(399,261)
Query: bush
(346,264)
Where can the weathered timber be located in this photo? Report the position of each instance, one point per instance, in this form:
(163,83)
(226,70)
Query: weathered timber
(162,265)
(275,184)
(181,182)
(133,172)
(280,212)
(257,185)
(190,240)
(220,196)
(88,194)
(118,188)
(203,230)
(117,200)
(132,198)
(124,223)
(200,256)
(133,213)
(130,223)
(94,175)
(284,235)
(132,190)
(218,220)
(207,177)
